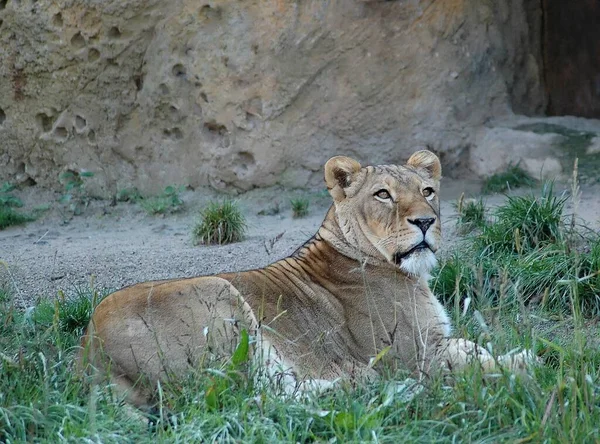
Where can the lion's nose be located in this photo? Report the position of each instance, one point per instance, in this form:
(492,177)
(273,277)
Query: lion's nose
(423,223)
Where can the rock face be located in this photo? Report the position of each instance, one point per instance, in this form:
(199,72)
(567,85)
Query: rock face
(239,94)
(497,149)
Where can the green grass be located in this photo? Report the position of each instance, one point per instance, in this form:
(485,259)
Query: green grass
(524,223)
(10,217)
(128,195)
(525,253)
(220,223)
(513,177)
(299,207)
(75,194)
(45,400)
(8,202)
(168,202)
(470,213)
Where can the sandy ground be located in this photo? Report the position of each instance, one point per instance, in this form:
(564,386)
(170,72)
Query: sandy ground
(115,246)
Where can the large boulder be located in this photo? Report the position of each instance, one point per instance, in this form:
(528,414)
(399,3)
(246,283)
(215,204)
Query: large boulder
(239,94)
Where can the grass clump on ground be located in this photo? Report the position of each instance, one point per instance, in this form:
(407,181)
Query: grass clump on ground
(9,216)
(220,223)
(75,195)
(526,252)
(513,177)
(470,212)
(131,194)
(167,202)
(299,207)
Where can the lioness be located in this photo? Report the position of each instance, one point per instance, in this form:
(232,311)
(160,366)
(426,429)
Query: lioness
(357,287)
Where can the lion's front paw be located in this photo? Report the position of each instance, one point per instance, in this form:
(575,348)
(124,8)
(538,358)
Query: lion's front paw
(518,362)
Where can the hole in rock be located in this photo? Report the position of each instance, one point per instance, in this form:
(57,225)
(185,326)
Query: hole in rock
(44,121)
(164,89)
(204,96)
(246,158)
(208,12)
(77,41)
(3,4)
(215,127)
(61,132)
(29,182)
(93,55)
(179,70)
(2,116)
(92,136)
(80,122)
(139,82)
(57,19)
(174,133)
(114,33)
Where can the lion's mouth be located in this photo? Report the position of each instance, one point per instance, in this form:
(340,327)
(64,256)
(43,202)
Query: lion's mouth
(421,246)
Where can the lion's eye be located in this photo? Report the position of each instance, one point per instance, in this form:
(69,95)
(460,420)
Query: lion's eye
(428,193)
(383,195)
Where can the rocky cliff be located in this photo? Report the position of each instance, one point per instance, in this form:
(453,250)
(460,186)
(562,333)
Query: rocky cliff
(238,94)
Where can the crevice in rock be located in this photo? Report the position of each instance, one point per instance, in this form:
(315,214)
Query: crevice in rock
(139,82)
(2,116)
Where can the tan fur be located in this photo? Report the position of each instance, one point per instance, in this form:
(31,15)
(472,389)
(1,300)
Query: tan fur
(323,313)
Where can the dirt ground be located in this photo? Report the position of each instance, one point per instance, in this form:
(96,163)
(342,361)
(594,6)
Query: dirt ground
(114,246)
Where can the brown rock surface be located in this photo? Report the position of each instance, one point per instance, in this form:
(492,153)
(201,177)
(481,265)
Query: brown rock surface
(254,93)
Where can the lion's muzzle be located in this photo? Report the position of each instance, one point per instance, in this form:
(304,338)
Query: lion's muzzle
(423,245)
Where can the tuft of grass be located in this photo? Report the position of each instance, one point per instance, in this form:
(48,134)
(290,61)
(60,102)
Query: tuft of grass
(513,177)
(471,213)
(525,223)
(525,254)
(299,207)
(75,195)
(10,217)
(8,202)
(128,195)
(168,202)
(220,223)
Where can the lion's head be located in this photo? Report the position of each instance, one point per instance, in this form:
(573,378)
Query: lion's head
(389,212)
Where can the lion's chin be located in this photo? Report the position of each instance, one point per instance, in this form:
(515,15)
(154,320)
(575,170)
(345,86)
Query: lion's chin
(419,262)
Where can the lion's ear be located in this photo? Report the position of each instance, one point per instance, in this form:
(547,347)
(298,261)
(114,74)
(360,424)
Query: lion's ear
(427,161)
(339,172)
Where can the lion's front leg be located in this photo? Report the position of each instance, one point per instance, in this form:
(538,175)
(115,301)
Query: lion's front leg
(456,354)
